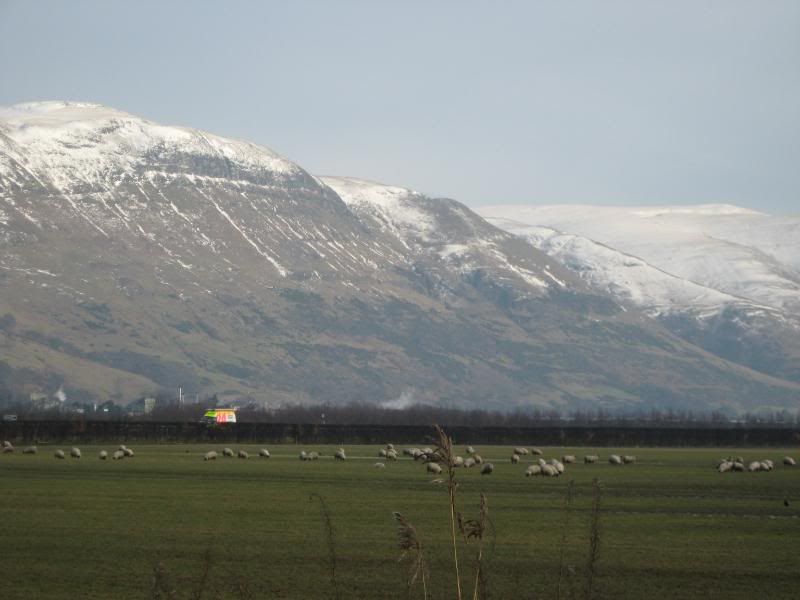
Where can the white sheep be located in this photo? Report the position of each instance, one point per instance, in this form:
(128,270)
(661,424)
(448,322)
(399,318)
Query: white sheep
(477,458)
(103,455)
(514,459)
(521,451)
(390,446)
(754,466)
(487,469)
(541,462)
(118,455)
(769,463)
(227,452)
(313,455)
(59,454)
(8,449)
(568,459)
(470,450)
(340,454)
(379,465)
(243,454)
(614,459)
(264,453)
(738,466)
(75,453)
(559,466)
(122,448)
(412,452)
(765,466)
(6,444)
(536,452)
(303,455)
(211,455)
(789,461)
(550,471)
(458,461)
(590,459)
(30,450)
(391,454)
(533,470)
(128,453)
(628,459)
(469,462)
(433,468)
(725,466)
(382,453)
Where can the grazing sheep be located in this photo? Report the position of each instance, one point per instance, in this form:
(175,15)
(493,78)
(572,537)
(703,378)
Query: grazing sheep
(128,453)
(6,444)
(559,466)
(313,455)
(264,453)
(590,459)
(550,471)
(469,462)
(122,448)
(340,454)
(75,453)
(789,461)
(227,452)
(210,455)
(568,459)
(103,455)
(477,458)
(754,466)
(433,468)
(521,451)
(458,461)
(59,454)
(391,454)
(541,462)
(487,469)
(118,455)
(536,452)
(614,459)
(30,450)
(303,455)
(379,465)
(470,450)
(533,470)
(628,459)
(738,466)
(725,466)
(243,454)
(514,459)
(382,453)
(8,449)
(769,463)
(410,451)
(389,446)
(765,466)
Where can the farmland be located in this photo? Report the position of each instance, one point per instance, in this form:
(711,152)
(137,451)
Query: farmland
(670,526)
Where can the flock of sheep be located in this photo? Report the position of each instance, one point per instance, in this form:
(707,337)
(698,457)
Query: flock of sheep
(733,464)
(432,461)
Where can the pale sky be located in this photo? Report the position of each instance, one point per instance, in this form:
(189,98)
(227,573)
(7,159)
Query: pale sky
(603,102)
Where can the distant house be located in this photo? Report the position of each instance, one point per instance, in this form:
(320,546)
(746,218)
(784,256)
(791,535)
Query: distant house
(142,406)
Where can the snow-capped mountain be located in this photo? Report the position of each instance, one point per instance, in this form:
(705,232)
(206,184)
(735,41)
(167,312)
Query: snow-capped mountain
(721,276)
(135,256)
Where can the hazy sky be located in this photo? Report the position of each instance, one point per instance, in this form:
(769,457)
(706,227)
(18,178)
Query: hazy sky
(487,102)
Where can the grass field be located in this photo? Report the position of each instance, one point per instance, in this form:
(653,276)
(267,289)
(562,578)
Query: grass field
(670,526)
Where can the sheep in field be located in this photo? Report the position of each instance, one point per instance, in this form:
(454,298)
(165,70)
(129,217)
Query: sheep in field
(122,447)
(75,453)
(303,455)
(470,450)
(628,459)
(243,454)
(263,453)
(381,453)
(533,470)
(389,447)
(379,465)
(550,471)
(103,455)
(568,459)
(521,451)
(477,458)
(541,462)
(725,466)
(590,459)
(391,454)
(614,459)
(128,453)
(313,455)
(6,443)
(433,468)
(210,455)
(118,455)
(30,450)
(769,463)
(7,449)
(227,452)
(738,466)
(559,466)
(536,452)
(765,466)
(487,469)
(754,466)
(59,454)
(788,461)
(340,455)
(469,462)
(514,459)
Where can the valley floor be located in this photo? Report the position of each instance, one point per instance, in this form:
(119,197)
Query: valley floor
(166,524)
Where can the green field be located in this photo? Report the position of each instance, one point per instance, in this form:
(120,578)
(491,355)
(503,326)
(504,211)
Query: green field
(670,526)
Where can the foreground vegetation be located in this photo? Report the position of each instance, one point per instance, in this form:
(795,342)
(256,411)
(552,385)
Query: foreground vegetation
(166,524)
